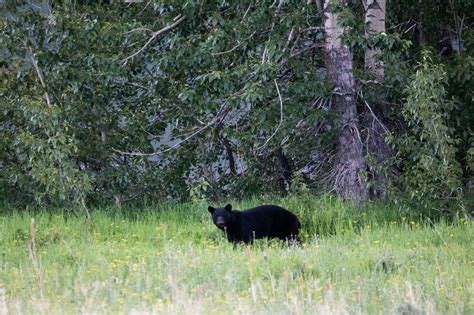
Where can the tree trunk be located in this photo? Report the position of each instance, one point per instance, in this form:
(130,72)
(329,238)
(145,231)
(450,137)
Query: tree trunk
(374,132)
(285,173)
(230,155)
(375,20)
(350,166)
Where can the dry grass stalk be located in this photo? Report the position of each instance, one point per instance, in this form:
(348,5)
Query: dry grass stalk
(34,259)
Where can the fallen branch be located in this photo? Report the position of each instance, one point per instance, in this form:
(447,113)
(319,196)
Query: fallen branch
(178,19)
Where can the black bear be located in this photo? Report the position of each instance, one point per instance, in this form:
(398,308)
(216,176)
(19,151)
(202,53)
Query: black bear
(264,221)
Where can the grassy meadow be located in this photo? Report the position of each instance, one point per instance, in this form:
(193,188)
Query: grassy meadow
(170,259)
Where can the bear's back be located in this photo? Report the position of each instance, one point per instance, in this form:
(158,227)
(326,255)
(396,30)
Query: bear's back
(270,221)
(272,211)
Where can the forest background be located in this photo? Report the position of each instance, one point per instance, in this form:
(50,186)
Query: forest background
(116,102)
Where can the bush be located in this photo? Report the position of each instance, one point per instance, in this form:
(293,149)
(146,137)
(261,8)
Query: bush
(426,152)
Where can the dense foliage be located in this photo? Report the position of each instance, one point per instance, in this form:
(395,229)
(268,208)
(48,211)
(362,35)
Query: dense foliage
(122,101)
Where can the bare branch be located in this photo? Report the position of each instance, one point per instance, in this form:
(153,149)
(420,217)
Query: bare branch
(375,116)
(40,76)
(138,29)
(235,47)
(178,19)
(313,28)
(247,11)
(281,117)
(139,86)
(218,117)
(303,50)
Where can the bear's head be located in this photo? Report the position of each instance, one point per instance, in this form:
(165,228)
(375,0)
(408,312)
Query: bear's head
(222,217)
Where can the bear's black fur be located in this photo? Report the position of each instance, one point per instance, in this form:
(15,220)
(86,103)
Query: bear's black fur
(264,221)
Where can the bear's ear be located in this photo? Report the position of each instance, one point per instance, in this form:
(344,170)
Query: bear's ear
(211,209)
(228,207)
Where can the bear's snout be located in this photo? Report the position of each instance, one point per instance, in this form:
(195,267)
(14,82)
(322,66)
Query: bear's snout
(220,222)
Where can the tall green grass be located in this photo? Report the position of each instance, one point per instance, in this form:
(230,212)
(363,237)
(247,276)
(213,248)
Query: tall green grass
(169,258)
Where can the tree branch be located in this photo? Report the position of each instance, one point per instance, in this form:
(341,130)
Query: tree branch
(373,115)
(146,29)
(218,117)
(303,50)
(178,19)
(40,76)
(230,155)
(235,47)
(281,117)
